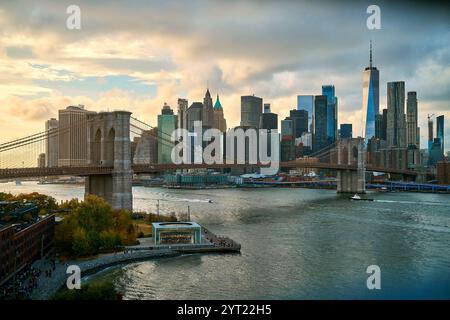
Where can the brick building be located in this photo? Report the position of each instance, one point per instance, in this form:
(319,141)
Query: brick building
(20,247)
(443,173)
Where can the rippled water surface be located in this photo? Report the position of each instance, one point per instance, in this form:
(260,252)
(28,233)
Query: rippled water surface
(296,244)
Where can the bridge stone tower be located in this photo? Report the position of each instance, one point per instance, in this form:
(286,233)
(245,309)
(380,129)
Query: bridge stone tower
(351,152)
(109,146)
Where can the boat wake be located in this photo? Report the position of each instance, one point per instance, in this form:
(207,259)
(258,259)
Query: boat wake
(174,199)
(414,202)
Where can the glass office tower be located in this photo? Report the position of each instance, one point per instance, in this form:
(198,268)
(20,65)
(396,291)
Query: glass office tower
(328,91)
(371,98)
(306,102)
(346,130)
(320,140)
(167,123)
(440,131)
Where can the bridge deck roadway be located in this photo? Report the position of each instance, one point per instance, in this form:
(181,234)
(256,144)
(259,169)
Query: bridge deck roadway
(157,168)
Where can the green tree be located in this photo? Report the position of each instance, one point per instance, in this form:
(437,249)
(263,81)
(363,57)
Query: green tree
(81,244)
(94,214)
(93,227)
(45,203)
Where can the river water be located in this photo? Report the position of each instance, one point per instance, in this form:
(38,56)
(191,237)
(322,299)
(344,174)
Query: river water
(296,244)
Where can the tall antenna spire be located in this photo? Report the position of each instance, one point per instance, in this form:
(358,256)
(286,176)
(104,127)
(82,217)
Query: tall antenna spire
(370,54)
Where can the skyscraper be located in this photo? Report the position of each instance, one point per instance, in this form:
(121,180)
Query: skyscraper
(371,98)
(436,154)
(378,125)
(72,136)
(194,113)
(430,134)
(41,160)
(182,109)
(412,130)
(287,140)
(219,119)
(306,102)
(381,125)
(332,111)
(251,110)
(208,111)
(346,130)
(384,125)
(440,131)
(167,123)
(300,118)
(51,143)
(146,150)
(396,122)
(268,119)
(269,122)
(320,123)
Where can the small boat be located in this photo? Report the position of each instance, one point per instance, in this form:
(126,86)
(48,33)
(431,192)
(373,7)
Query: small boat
(356,197)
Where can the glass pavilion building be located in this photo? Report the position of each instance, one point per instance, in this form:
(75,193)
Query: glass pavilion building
(176,233)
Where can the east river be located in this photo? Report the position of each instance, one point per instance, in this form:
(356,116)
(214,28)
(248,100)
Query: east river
(296,244)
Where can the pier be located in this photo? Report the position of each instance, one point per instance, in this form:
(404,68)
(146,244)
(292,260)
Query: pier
(211,243)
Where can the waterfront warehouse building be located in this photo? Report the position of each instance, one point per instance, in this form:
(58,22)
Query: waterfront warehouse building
(176,233)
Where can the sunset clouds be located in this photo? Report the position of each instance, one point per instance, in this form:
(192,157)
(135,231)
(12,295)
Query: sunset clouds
(136,55)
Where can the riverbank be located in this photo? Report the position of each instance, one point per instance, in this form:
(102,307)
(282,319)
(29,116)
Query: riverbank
(47,286)
(295,243)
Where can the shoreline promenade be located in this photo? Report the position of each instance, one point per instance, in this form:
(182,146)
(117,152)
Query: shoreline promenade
(47,286)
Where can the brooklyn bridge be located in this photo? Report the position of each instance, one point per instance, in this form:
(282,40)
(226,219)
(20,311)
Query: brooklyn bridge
(109,166)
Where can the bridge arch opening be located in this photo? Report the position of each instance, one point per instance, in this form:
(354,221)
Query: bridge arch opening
(109,147)
(96,148)
(354,153)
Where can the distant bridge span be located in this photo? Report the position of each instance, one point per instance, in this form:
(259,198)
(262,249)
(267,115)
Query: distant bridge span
(16,173)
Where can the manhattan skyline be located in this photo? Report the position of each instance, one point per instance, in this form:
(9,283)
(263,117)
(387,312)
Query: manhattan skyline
(145,54)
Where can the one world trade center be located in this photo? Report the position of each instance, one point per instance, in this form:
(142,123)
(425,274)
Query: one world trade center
(371,98)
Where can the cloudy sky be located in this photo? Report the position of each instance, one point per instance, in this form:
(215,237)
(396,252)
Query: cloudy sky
(136,55)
